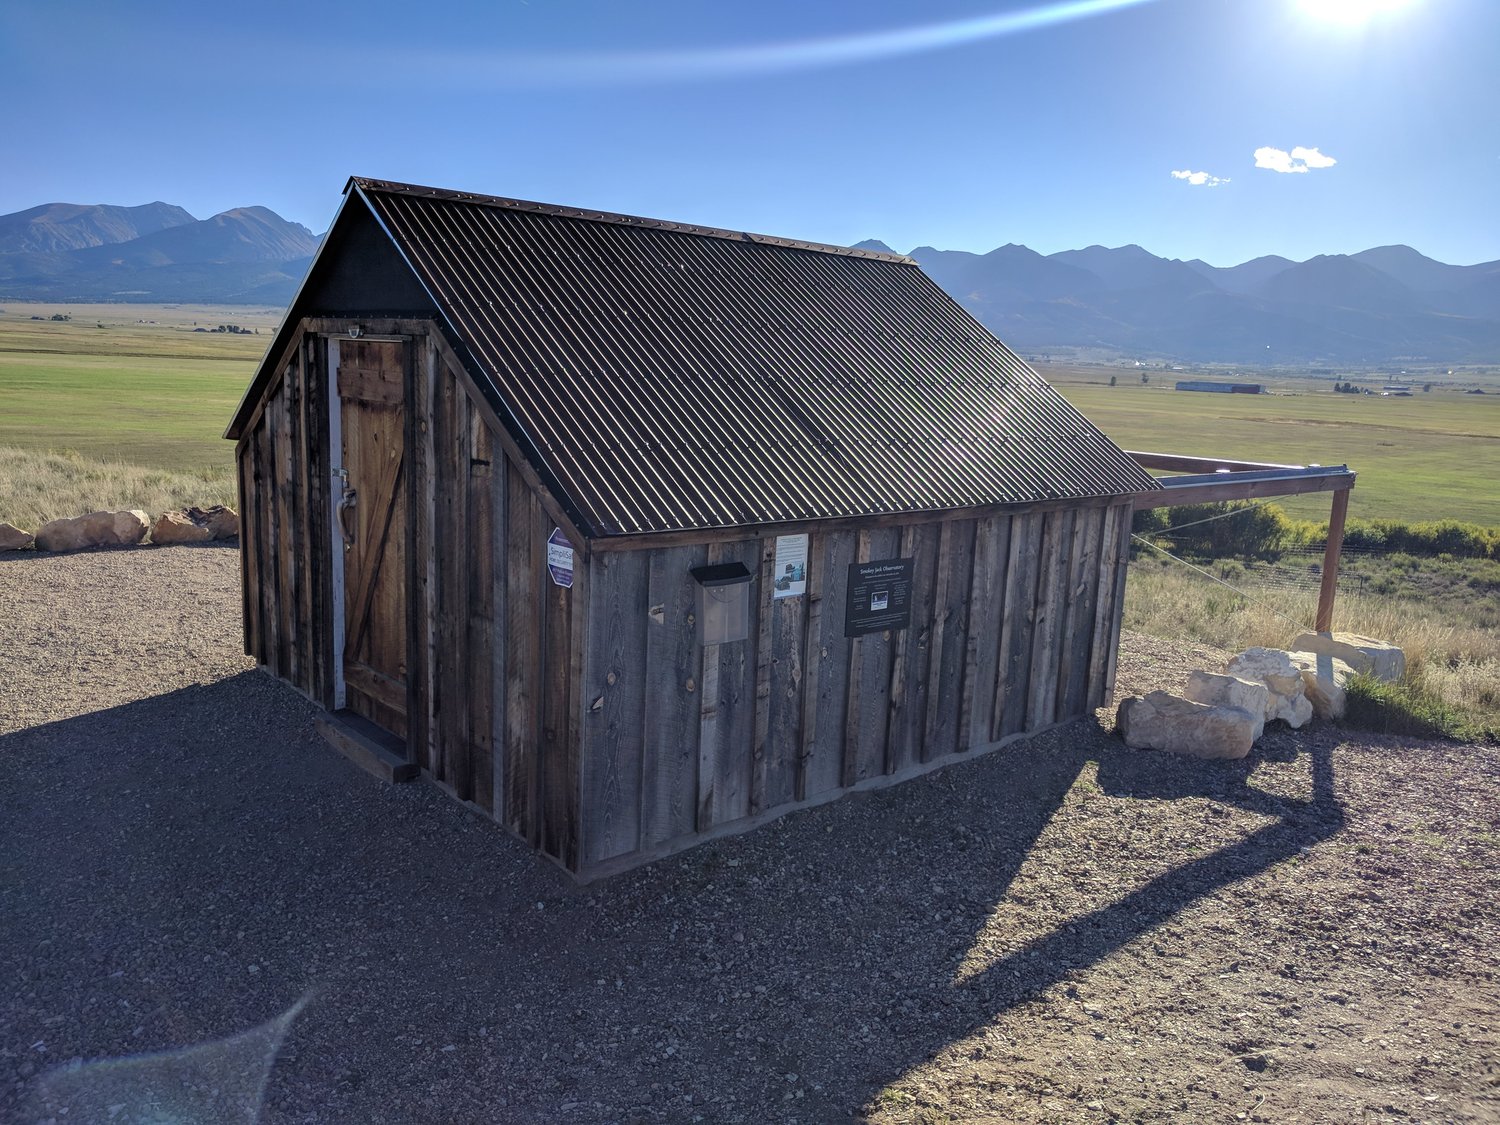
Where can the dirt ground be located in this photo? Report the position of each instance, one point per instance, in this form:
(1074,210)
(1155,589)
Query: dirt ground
(1062,931)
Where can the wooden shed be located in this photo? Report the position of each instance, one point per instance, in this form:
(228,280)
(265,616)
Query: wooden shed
(633,533)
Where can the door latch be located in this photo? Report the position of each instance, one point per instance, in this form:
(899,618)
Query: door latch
(346,506)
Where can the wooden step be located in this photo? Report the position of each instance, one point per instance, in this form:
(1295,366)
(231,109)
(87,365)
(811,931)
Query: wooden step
(372,749)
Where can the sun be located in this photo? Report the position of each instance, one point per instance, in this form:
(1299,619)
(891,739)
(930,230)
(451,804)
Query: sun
(1349,11)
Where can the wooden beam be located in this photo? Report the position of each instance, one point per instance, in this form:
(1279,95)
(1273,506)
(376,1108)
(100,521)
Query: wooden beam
(1215,487)
(1180,463)
(1331,561)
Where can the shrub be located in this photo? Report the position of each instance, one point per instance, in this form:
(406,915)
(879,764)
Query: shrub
(1253,531)
(1407,708)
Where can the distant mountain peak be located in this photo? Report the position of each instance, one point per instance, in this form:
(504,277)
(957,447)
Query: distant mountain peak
(56,228)
(873,244)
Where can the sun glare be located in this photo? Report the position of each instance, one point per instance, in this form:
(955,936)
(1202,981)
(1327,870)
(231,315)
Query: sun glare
(1349,11)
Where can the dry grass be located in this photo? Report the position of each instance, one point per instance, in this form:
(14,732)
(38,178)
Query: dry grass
(39,486)
(1449,656)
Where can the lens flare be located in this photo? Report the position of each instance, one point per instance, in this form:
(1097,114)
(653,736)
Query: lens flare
(1351,12)
(629,67)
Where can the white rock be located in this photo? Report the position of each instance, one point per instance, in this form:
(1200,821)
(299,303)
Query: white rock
(1366,655)
(97,529)
(1324,679)
(1271,666)
(1219,690)
(1161,721)
(12,538)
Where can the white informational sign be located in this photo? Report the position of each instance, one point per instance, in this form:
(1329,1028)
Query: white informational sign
(560,558)
(789,574)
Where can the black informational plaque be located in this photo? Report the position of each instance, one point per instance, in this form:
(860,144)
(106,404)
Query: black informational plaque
(879,597)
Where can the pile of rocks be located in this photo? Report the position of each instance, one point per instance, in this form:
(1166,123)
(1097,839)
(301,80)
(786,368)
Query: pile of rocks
(125,529)
(1222,715)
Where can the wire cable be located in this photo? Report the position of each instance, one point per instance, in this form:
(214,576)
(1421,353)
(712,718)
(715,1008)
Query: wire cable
(1228,586)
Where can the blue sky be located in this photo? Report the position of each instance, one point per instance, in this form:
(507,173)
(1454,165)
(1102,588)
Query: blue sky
(962,125)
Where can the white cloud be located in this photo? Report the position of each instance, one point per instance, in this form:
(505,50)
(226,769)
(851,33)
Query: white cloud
(1312,157)
(1300,159)
(1199,179)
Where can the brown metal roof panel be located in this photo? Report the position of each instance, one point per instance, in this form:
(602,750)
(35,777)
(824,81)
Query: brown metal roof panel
(670,382)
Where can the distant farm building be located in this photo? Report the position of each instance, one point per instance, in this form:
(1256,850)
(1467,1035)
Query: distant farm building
(1221,388)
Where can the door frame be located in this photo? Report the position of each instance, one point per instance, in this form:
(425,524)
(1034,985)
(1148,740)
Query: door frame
(335,490)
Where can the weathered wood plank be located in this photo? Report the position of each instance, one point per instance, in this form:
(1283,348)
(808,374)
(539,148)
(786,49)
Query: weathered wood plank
(480,618)
(376,383)
(422,586)
(781,654)
(614,700)
(674,669)
(295,385)
(559,761)
(986,608)
(870,661)
(950,641)
(827,697)
(763,589)
(270,593)
(524,578)
(727,738)
(912,660)
(319,533)
(578,641)
(382,689)
(288,653)
(249,590)
(1017,623)
(500,618)
(1078,632)
(1104,587)
(1121,566)
(453,611)
(1057,544)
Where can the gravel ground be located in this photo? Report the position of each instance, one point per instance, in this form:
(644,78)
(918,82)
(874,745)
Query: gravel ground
(1064,931)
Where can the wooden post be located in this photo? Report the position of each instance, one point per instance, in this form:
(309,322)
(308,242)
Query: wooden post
(1324,622)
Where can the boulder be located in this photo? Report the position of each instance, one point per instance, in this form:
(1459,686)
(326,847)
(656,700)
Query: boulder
(223,522)
(177,527)
(1324,679)
(97,529)
(1160,721)
(1365,655)
(1270,666)
(1217,690)
(195,525)
(12,538)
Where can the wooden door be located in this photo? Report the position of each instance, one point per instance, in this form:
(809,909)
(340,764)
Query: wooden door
(371,390)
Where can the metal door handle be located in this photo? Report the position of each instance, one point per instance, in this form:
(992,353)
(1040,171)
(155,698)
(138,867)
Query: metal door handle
(346,505)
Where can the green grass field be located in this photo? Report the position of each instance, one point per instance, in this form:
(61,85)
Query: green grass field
(134,384)
(111,388)
(1429,457)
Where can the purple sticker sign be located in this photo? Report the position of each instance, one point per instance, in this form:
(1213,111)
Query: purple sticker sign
(560,558)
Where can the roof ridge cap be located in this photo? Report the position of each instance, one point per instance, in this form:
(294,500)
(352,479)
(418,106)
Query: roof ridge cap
(393,187)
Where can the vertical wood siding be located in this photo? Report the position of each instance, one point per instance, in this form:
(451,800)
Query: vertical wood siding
(284,537)
(495,650)
(1014,623)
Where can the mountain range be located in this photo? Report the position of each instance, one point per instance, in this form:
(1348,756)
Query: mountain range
(153,253)
(1385,305)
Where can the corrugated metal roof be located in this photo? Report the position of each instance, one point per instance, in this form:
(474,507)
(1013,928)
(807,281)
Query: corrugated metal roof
(670,377)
